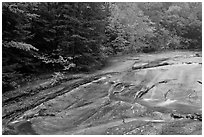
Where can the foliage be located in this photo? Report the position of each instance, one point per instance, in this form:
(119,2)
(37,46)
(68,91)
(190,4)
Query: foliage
(154,26)
(42,35)
(69,30)
(74,36)
(19,45)
(57,76)
(182,21)
(129,26)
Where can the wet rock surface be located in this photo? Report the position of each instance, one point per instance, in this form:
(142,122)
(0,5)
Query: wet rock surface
(148,94)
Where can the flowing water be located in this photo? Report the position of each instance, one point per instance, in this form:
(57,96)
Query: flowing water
(158,99)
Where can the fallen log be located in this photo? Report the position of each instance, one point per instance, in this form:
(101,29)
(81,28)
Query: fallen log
(149,65)
(200,82)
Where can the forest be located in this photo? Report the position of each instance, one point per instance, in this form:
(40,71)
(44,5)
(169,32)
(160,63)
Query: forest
(73,37)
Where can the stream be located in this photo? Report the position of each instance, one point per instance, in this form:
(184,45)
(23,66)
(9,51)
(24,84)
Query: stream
(144,94)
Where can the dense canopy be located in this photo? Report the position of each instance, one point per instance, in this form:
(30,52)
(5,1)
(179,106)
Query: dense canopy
(71,36)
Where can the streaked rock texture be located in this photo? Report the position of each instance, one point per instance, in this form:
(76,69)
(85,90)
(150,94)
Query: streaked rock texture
(154,94)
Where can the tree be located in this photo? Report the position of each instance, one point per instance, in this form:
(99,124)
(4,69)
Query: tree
(181,20)
(54,35)
(131,26)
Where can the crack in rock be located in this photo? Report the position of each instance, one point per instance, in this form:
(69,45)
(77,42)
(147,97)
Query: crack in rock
(142,92)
